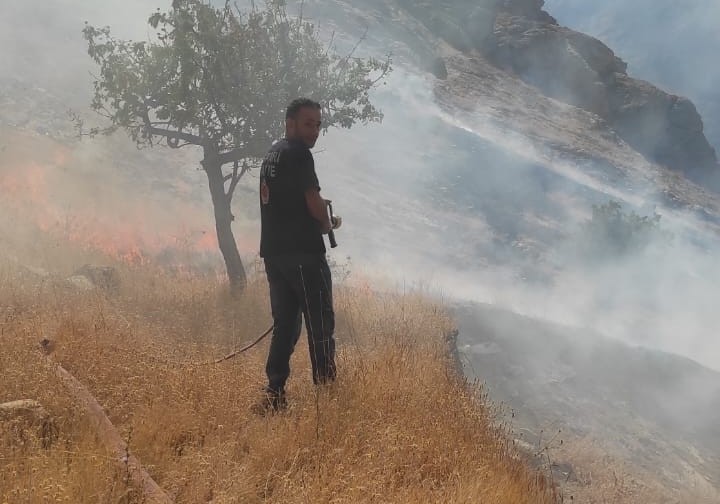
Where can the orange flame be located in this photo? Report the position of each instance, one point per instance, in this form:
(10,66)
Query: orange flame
(36,191)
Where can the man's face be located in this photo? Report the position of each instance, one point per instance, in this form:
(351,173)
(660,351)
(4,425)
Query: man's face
(305,127)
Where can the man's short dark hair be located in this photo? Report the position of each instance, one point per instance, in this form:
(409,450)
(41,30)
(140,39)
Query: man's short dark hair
(297,104)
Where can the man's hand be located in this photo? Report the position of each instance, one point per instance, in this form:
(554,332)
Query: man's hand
(336,221)
(318,208)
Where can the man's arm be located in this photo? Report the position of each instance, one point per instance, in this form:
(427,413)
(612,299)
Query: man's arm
(318,209)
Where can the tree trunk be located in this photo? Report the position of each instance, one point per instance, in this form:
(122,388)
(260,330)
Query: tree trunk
(223,223)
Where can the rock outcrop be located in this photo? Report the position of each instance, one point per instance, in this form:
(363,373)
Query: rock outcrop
(29,414)
(520,37)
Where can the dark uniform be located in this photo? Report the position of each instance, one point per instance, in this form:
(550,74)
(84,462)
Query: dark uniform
(292,246)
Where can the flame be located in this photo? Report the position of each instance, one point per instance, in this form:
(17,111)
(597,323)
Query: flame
(36,187)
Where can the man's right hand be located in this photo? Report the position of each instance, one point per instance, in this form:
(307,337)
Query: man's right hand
(336,221)
(318,208)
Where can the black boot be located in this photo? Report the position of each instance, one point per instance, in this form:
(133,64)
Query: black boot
(271,402)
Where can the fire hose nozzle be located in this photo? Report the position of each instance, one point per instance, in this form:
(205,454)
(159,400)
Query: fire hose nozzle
(331,233)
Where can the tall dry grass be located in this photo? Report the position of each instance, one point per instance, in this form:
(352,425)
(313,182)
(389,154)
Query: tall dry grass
(398,426)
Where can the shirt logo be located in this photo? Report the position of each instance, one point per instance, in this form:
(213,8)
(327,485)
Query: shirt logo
(269,166)
(268,170)
(264,193)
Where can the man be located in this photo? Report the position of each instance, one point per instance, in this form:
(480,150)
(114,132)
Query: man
(294,217)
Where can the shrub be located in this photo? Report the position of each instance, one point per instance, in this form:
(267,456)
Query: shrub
(612,233)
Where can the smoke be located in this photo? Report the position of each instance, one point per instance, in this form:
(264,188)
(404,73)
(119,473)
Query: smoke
(671,44)
(42,41)
(428,198)
(103,194)
(482,214)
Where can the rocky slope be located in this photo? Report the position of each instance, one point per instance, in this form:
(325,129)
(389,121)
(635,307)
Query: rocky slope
(671,44)
(580,70)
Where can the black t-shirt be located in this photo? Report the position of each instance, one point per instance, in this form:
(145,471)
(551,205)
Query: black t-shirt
(288,170)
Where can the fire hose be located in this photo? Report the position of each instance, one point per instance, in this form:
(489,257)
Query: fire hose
(245,348)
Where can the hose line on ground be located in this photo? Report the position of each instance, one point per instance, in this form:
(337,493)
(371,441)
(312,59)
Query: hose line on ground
(245,348)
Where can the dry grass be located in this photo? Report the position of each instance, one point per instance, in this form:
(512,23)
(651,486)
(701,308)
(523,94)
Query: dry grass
(398,426)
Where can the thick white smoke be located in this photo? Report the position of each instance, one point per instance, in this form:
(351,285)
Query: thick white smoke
(447,202)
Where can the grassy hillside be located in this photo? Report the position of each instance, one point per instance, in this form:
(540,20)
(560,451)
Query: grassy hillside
(398,426)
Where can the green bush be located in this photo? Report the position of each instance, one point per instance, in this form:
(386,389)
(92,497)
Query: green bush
(612,233)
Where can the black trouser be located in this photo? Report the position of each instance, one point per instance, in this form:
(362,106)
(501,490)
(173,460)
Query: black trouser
(300,284)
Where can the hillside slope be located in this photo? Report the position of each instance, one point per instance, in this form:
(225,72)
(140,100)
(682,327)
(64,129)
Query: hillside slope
(671,44)
(572,392)
(476,184)
(575,68)
(399,425)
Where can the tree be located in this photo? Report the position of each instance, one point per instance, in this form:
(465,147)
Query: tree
(219,79)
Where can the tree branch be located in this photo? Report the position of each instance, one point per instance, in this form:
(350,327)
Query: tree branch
(245,169)
(171,135)
(235,178)
(210,87)
(385,72)
(231,156)
(175,135)
(184,144)
(349,55)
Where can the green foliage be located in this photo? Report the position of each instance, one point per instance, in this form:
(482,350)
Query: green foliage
(221,78)
(612,233)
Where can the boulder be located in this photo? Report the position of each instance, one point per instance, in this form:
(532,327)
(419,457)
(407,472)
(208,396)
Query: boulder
(665,127)
(80,282)
(530,9)
(520,37)
(543,54)
(582,71)
(464,24)
(26,408)
(597,55)
(28,413)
